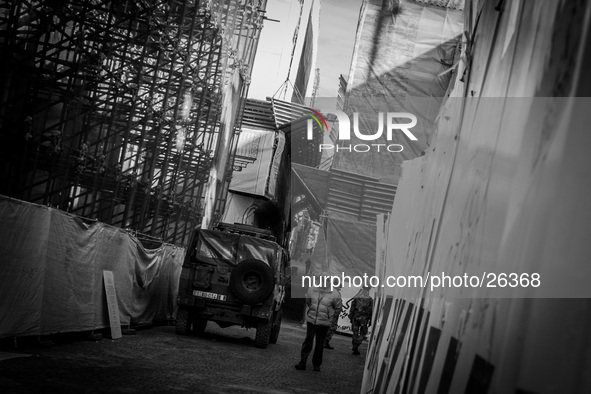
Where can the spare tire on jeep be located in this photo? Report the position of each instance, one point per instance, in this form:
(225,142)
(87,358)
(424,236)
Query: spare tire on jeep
(252,281)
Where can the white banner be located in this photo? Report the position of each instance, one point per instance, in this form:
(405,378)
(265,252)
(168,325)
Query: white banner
(253,160)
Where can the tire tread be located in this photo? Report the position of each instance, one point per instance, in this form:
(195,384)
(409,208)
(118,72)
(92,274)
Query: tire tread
(182,321)
(263,334)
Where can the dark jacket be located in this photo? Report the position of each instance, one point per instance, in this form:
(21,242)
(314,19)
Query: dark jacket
(322,305)
(361,307)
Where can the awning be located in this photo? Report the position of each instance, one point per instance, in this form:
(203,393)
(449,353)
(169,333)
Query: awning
(313,183)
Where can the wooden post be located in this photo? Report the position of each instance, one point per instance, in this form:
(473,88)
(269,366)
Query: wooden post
(112,304)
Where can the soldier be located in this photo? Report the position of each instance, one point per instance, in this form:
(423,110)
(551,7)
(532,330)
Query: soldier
(334,324)
(360,316)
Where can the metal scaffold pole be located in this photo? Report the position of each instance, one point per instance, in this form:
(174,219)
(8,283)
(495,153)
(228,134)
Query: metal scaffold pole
(118,110)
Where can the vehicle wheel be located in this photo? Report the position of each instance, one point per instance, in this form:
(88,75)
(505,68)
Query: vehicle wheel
(182,321)
(199,325)
(275,329)
(252,281)
(263,334)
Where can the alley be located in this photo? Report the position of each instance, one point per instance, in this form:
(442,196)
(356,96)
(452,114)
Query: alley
(415,172)
(157,360)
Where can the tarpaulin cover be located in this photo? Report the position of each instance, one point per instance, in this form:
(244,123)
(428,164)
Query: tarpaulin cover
(218,246)
(401,63)
(240,208)
(343,248)
(51,273)
(313,183)
(253,163)
(231,249)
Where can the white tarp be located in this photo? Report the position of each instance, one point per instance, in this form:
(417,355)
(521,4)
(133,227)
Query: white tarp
(253,162)
(240,209)
(51,266)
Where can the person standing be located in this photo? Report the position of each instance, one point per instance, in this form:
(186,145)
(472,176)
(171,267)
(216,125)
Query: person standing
(321,304)
(360,316)
(308,266)
(334,324)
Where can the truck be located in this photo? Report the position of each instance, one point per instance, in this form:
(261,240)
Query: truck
(238,272)
(235,274)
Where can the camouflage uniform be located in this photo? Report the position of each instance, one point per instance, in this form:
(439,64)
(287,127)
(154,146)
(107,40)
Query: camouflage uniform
(360,317)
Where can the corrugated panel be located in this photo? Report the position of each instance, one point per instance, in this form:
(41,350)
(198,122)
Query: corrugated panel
(258,114)
(326,164)
(359,196)
(287,117)
(286,112)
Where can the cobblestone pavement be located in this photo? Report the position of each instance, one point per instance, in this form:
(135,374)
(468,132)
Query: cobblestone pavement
(157,360)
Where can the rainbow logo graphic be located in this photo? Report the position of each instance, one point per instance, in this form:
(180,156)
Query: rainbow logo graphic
(315,115)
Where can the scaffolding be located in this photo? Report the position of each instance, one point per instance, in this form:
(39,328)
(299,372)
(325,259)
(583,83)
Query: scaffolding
(114,110)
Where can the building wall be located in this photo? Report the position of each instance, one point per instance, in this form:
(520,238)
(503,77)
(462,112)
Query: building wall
(502,189)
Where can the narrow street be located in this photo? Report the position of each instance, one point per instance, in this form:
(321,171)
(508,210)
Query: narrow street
(157,360)
(415,172)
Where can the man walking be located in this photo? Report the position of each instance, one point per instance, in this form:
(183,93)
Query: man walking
(321,304)
(360,316)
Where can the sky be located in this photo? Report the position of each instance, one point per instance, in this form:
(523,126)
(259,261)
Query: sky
(338,25)
(337,28)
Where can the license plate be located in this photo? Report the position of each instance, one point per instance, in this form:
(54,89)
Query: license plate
(211,296)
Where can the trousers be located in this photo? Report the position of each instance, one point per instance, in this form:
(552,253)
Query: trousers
(359,328)
(317,332)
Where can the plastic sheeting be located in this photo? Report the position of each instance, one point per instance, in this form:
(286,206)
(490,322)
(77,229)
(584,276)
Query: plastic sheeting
(220,248)
(342,248)
(256,163)
(241,209)
(401,63)
(345,247)
(51,273)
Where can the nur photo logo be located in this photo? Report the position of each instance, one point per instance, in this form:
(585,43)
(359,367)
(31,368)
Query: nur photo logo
(392,122)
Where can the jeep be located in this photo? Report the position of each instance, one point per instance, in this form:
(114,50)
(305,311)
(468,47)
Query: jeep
(233,275)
